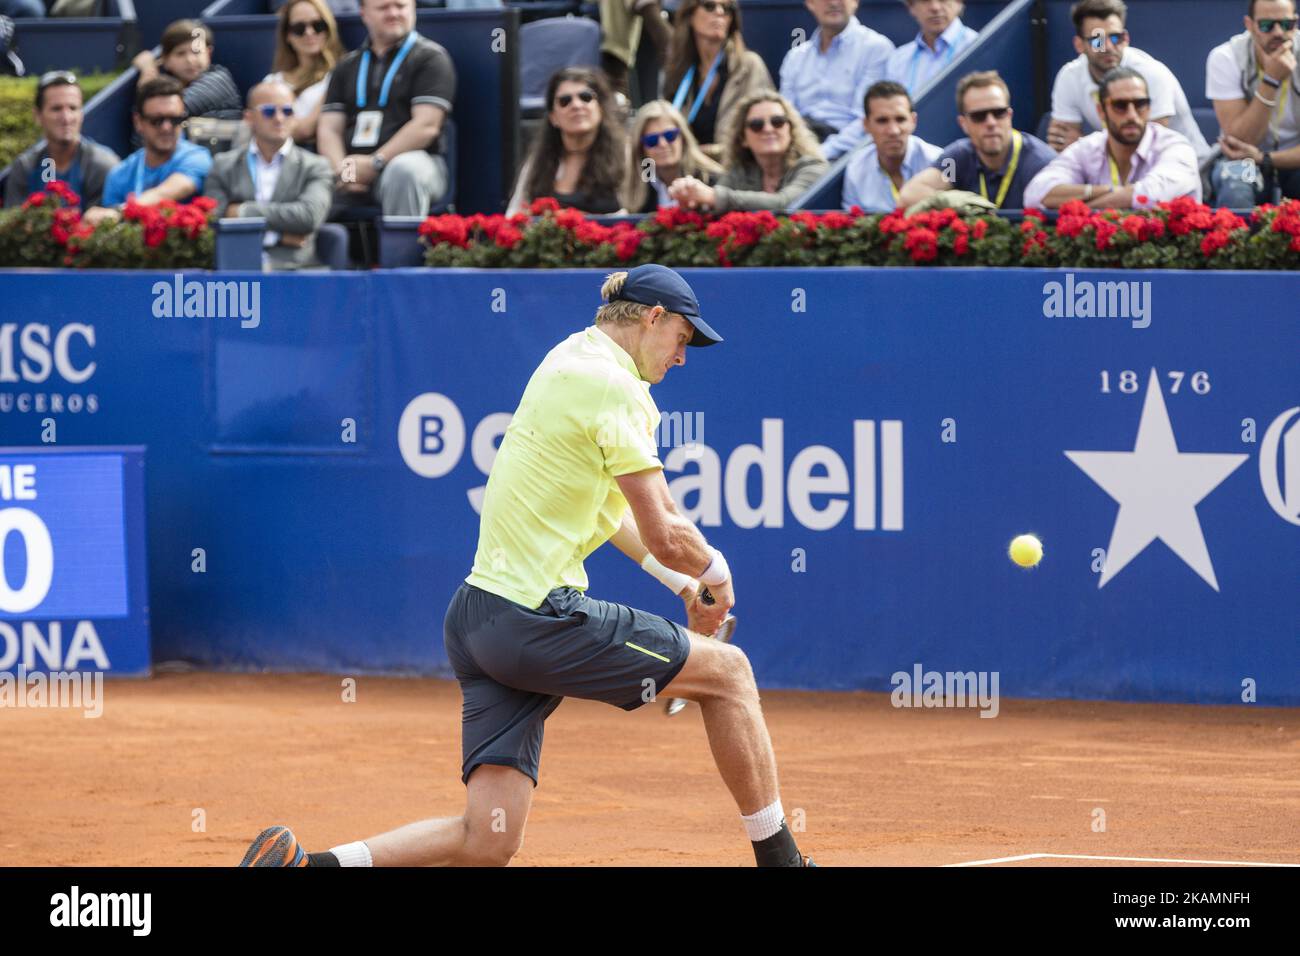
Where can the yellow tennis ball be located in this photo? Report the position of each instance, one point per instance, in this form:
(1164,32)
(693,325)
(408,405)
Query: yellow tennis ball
(1026,550)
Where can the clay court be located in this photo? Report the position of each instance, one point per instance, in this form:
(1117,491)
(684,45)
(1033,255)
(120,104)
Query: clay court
(876,785)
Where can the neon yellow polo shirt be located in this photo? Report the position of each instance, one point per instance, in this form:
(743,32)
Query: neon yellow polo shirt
(586,417)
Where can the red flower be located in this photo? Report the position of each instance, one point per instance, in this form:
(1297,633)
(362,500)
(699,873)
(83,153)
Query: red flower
(923,244)
(837,220)
(539,206)
(961,245)
(205,203)
(628,243)
(449,229)
(155,233)
(981,228)
(35,199)
(508,236)
(593,233)
(1105,231)
(1295,244)
(569,218)
(1153,228)
(1133,226)
(1214,241)
(1075,207)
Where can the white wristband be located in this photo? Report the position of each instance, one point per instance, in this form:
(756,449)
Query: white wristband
(674,581)
(717,572)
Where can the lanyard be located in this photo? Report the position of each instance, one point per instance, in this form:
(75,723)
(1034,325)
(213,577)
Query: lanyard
(893,190)
(685,87)
(916,56)
(1016,142)
(1275,123)
(1114,171)
(364,72)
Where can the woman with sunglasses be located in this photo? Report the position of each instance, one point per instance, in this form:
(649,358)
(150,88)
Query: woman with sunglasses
(709,70)
(578,156)
(307,46)
(663,151)
(772,159)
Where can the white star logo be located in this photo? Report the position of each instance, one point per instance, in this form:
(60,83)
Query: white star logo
(1158,488)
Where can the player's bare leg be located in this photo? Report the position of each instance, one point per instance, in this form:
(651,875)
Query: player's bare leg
(489,833)
(719,678)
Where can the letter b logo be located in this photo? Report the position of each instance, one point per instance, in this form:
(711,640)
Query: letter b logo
(431,435)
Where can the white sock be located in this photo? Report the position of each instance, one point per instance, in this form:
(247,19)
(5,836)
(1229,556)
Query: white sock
(353,854)
(765,823)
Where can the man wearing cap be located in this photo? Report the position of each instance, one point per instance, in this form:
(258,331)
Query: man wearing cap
(521,632)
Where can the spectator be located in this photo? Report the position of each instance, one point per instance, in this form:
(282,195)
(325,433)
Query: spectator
(709,70)
(622,23)
(877,172)
(72,158)
(166,166)
(663,151)
(578,157)
(772,160)
(307,47)
(22,8)
(1253,81)
(827,77)
(992,159)
(380,125)
(1133,164)
(1102,43)
(942,36)
(284,184)
(187,55)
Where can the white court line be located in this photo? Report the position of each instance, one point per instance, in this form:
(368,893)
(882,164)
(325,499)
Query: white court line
(1127,859)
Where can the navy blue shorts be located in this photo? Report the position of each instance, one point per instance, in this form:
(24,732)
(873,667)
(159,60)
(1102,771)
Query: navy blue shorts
(516,664)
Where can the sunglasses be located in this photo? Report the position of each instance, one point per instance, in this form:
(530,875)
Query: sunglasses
(1122,106)
(1267,25)
(979,116)
(56,78)
(712,6)
(157,122)
(651,140)
(300,29)
(586,96)
(1098,40)
(757,125)
(268,110)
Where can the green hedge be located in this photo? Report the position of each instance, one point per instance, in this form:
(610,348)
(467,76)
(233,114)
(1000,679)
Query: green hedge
(17,128)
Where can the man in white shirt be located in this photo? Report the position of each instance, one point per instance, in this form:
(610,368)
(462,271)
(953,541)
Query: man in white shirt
(273,179)
(877,172)
(1102,42)
(827,76)
(1134,164)
(1252,81)
(942,36)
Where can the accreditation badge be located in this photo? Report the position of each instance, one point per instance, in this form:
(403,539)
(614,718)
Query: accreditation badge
(366,132)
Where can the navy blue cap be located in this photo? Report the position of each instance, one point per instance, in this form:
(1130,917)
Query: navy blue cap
(658,285)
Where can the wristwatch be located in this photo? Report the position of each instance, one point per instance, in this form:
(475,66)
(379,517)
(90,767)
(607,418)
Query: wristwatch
(378,162)
(1276,84)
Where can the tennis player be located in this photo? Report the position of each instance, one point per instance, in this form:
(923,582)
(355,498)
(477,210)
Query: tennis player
(522,633)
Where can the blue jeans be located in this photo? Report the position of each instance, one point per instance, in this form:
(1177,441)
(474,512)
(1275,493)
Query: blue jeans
(1239,185)
(22,8)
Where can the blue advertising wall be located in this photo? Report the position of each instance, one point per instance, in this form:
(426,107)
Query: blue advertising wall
(899,427)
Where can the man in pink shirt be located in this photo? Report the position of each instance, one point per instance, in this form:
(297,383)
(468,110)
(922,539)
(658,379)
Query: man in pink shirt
(1131,164)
